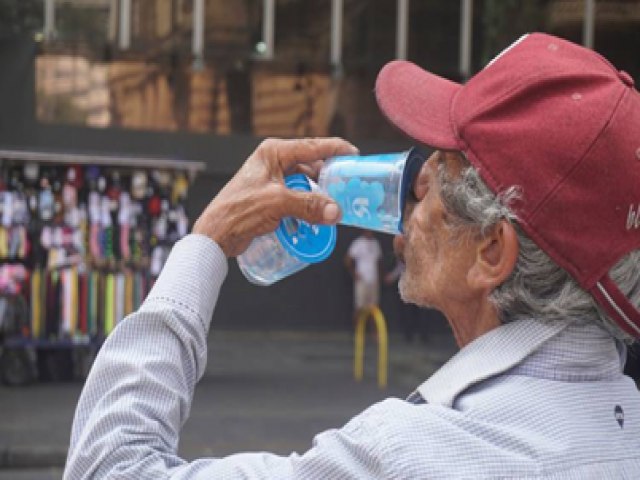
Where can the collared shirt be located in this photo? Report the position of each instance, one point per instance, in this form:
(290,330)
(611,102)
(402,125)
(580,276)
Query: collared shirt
(526,400)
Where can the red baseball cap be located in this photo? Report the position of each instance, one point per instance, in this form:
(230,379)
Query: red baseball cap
(561,122)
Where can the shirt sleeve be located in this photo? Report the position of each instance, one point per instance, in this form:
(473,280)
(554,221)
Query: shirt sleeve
(139,392)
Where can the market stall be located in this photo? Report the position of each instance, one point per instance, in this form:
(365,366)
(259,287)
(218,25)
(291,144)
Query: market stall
(82,239)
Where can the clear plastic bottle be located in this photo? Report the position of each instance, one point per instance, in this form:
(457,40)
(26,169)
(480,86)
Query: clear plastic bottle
(294,245)
(370,191)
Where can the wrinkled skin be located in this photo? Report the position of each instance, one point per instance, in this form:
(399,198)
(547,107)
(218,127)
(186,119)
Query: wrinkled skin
(447,268)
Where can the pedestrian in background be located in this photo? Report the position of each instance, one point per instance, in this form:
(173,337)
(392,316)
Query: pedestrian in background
(363,261)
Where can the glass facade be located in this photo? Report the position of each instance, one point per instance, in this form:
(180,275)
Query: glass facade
(86,77)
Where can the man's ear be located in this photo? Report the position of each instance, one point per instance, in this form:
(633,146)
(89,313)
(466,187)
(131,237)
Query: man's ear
(496,257)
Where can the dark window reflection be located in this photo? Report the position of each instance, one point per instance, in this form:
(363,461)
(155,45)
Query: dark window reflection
(82,24)
(435,49)
(369,33)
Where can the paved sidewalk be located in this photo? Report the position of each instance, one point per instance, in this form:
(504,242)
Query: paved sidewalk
(261,391)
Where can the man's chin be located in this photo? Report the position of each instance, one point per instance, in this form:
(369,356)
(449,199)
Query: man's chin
(409,296)
(403,294)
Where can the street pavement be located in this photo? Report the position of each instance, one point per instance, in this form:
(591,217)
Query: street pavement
(261,391)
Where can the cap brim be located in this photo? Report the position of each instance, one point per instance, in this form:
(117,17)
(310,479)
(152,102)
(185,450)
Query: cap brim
(418,103)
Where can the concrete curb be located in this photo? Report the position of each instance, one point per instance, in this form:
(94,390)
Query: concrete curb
(32,457)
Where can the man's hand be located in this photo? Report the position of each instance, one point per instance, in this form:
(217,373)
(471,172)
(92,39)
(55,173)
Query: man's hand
(254,201)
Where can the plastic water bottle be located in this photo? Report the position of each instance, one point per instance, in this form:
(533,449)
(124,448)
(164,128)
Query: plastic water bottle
(294,245)
(370,191)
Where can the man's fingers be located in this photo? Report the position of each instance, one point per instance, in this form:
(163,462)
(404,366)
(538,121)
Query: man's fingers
(311,170)
(307,150)
(314,208)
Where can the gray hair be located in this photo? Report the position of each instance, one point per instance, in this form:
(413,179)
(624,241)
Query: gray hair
(537,287)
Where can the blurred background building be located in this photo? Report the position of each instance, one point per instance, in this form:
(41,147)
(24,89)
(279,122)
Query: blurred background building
(194,85)
(205,80)
(279,67)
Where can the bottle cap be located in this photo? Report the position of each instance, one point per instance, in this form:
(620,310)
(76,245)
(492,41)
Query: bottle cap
(415,158)
(308,243)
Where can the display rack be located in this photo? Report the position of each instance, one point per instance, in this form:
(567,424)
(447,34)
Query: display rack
(82,239)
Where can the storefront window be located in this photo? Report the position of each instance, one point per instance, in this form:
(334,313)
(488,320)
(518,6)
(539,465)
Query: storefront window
(616,34)
(435,49)
(84,77)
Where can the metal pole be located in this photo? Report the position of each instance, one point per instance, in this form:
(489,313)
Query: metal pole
(197,41)
(402,29)
(377,316)
(336,32)
(589,23)
(49,19)
(466,17)
(124,39)
(95,159)
(268,28)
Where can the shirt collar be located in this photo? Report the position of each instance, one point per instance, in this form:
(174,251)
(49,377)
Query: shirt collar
(491,354)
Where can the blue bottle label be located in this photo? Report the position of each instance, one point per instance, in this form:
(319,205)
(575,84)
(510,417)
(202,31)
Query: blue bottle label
(359,200)
(302,240)
(371,190)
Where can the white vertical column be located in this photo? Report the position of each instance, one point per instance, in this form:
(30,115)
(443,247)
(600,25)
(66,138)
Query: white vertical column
(197,40)
(124,39)
(337,11)
(466,25)
(49,19)
(402,29)
(268,28)
(589,23)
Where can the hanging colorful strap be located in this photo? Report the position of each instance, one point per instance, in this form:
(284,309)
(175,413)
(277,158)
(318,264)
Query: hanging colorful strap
(35,303)
(73,307)
(93,305)
(108,242)
(4,243)
(128,293)
(119,298)
(94,241)
(124,242)
(108,305)
(65,302)
(82,303)
(24,242)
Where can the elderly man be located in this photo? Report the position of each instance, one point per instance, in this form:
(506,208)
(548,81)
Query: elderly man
(522,227)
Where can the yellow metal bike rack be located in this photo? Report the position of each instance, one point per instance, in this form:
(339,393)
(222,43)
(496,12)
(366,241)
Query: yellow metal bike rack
(374,313)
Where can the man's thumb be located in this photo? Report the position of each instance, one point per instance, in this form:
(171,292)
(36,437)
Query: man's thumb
(311,207)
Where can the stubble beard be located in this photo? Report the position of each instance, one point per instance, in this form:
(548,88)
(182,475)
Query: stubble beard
(402,288)
(408,284)
(406,293)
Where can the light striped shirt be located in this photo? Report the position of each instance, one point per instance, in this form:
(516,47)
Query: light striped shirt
(525,401)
